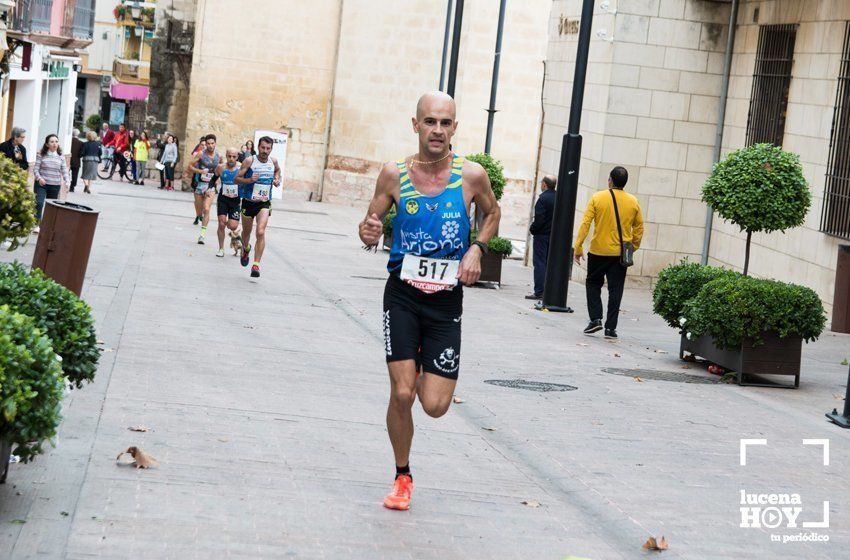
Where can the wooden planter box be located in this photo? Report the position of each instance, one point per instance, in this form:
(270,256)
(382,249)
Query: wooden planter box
(5,454)
(777,356)
(491,268)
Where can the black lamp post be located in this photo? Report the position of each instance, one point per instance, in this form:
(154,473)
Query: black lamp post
(561,238)
(455,48)
(491,112)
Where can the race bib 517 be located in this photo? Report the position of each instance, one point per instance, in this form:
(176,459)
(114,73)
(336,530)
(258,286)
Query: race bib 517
(429,275)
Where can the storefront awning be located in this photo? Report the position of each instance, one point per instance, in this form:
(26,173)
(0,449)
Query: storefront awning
(128,92)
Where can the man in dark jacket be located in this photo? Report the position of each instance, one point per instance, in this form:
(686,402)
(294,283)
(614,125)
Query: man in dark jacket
(14,149)
(540,228)
(76,152)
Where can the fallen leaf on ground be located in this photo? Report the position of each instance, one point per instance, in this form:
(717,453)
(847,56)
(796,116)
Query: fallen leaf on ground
(582,344)
(638,379)
(18,521)
(141,459)
(223,439)
(108,350)
(457,400)
(488,429)
(616,355)
(64,513)
(652,544)
(686,367)
(659,351)
(844,362)
(838,397)
(101,342)
(139,428)
(530,503)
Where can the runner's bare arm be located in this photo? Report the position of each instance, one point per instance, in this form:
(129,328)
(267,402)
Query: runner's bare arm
(277,173)
(371,227)
(240,177)
(194,161)
(218,169)
(476,180)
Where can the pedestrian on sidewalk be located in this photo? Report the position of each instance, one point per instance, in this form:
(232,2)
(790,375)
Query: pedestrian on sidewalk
(50,170)
(131,148)
(76,162)
(540,228)
(14,148)
(140,154)
(91,155)
(120,145)
(617,221)
(169,160)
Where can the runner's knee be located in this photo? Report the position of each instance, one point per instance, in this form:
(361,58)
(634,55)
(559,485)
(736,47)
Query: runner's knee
(435,409)
(402,397)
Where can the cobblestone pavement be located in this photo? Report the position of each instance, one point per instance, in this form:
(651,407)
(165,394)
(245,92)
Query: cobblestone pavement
(266,404)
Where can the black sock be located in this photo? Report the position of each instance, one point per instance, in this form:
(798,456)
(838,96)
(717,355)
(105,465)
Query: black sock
(403,470)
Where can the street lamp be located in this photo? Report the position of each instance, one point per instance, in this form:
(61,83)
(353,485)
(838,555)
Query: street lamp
(561,239)
(455,48)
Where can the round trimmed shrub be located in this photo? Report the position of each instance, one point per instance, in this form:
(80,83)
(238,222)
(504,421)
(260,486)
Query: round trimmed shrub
(500,246)
(30,385)
(494,170)
(59,314)
(731,309)
(759,188)
(17,204)
(679,283)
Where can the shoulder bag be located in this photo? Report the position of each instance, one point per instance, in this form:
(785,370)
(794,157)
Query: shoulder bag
(627,250)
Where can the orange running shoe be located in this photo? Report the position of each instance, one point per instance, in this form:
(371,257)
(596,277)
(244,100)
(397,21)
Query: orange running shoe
(399,498)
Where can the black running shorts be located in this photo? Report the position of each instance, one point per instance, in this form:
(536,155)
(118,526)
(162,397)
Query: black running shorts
(423,327)
(250,208)
(230,207)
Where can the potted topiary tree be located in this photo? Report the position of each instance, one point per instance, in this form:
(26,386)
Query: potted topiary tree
(759,188)
(94,122)
(30,388)
(500,248)
(59,314)
(17,204)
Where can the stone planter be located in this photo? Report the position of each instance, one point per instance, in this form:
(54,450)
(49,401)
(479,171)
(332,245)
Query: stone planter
(5,454)
(777,356)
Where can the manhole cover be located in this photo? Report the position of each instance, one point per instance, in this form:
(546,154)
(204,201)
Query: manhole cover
(655,375)
(538,386)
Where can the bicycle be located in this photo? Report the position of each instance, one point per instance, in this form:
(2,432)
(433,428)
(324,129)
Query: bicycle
(108,166)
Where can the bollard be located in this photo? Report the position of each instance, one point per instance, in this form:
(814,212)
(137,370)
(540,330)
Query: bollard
(842,420)
(64,243)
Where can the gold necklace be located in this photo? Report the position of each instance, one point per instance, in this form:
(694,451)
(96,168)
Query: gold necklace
(416,161)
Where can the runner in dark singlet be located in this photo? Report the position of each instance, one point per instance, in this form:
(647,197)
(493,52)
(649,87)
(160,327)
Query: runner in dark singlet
(430,259)
(205,164)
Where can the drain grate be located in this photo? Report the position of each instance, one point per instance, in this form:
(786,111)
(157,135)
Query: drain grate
(537,386)
(655,375)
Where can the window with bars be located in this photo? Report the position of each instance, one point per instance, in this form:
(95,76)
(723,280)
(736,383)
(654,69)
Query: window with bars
(771,84)
(835,217)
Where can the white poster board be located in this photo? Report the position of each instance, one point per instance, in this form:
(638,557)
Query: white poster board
(278,152)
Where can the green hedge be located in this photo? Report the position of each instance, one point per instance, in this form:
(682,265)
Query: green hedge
(30,385)
(17,204)
(730,309)
(494,170)
(679,283)
(59,313)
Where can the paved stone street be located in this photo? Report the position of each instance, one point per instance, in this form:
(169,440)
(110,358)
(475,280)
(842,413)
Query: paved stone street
(266,404)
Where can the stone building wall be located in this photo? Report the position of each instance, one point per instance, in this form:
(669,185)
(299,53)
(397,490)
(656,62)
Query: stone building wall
(390,54)
(650,105)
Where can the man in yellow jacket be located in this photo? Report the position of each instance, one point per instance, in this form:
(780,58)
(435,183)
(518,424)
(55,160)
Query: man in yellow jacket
(603,259)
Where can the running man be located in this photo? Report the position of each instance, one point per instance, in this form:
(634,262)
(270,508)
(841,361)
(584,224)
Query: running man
(204,163)
(430,260)
(258,174)
(228,205)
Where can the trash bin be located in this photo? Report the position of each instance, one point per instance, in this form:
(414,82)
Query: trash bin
(841,300)
(64,243)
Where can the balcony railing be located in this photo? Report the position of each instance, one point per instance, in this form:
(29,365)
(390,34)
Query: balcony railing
(129,71)
(79,19)
(31,16)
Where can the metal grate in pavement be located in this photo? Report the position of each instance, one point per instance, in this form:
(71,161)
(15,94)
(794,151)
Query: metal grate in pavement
(655,375)
(537,386)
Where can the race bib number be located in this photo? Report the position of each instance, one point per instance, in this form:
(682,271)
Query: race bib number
(261,192)
(429,275)
(230,190)
(206,177)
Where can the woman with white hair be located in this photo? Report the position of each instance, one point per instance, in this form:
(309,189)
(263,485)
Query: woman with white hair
(14,148)
(91,159)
